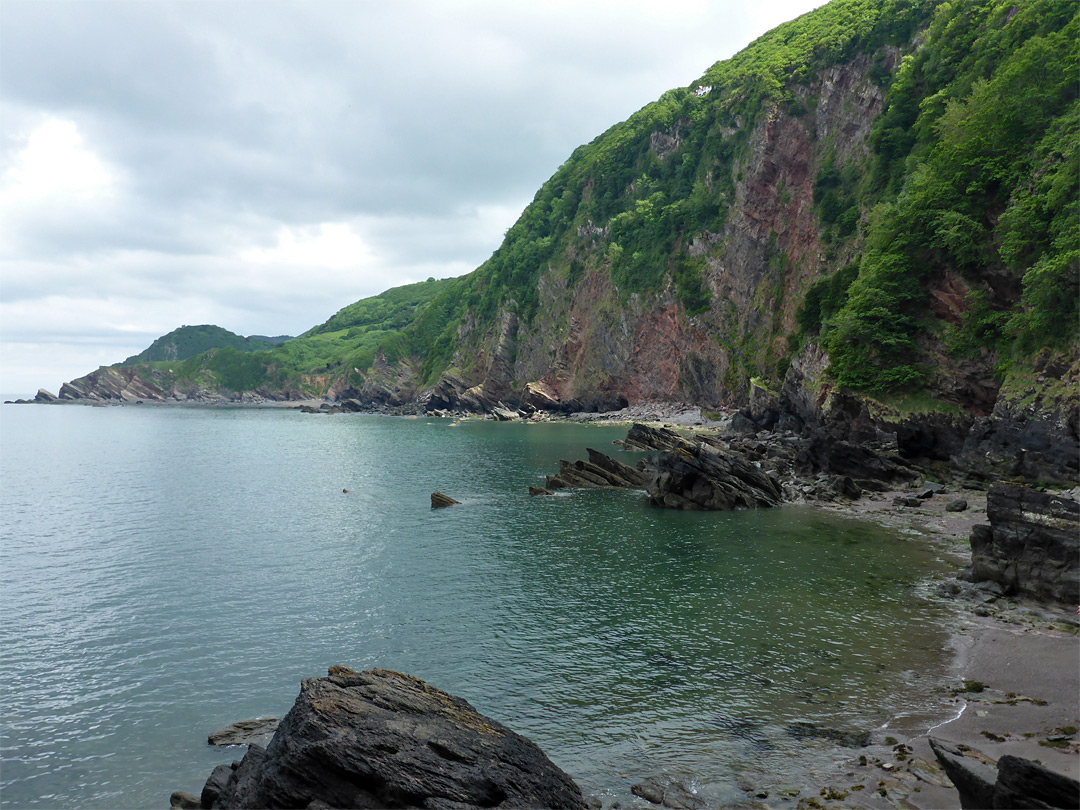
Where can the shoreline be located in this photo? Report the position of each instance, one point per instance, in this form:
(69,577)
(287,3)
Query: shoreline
(1024,653)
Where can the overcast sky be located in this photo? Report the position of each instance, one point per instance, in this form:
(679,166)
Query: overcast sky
(259,165)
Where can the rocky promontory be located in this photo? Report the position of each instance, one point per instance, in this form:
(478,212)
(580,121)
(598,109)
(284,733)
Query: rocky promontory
(381,739)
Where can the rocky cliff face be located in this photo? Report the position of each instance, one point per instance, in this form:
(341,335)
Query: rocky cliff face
(593,345)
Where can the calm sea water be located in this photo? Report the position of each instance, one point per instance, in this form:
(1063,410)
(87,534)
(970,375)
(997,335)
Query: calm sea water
(166,571)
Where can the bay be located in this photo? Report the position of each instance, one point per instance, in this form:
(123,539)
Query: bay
(166,571)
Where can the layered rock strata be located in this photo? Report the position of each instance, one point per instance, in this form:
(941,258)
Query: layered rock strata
(1032,544)
(380,739)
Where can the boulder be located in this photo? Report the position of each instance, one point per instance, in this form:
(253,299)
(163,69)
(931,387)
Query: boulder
(438,500)
(667,793)
(1032,545)
(704,477)
(1013,782)
(959,505)
(384,739)
(973,778)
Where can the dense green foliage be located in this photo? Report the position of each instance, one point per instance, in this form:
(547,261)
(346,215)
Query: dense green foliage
(975,173)
(346,345)
(188,341)
(972,171)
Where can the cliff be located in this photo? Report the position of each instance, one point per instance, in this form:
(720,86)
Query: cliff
(871,210)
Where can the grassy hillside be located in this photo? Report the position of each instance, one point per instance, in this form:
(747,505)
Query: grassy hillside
(343,347)
(188,341)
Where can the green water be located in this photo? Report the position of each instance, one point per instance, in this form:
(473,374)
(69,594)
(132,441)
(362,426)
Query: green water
(167,571)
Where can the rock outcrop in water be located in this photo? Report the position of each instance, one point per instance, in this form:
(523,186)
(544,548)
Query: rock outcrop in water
(380,739)
(1032,545)
(599,471)
(704,477)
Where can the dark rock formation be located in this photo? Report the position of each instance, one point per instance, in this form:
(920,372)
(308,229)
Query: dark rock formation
(46,397)
(703,477)
(245,732)
(381,739)
(598,471)
(1032,545)
(438,500)
(1013,783)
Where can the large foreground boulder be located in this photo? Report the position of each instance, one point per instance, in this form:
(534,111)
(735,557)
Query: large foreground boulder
(1032,545)
(387,740)
(1012,783)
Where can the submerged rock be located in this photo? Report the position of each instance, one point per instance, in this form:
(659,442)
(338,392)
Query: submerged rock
(847,739)
(667,793)
(384,739)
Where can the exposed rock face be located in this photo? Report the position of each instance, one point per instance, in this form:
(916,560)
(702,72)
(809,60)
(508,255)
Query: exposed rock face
(381,739)
(703,477)
(1032,545)
(599,471)
(1013,783)
(1033,432)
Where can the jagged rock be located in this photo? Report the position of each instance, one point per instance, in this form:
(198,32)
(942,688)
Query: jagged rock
(643,437)
(438,500)
(217,782)
(907,500)
(504,414)
(1032,545)
(1023,783)
(704,477)
(259,730)
(541,396)
(540,491)
(974,779)
(835,487)
(185,801)
(599,471)
(1013,783)
(383,739)
(44,396)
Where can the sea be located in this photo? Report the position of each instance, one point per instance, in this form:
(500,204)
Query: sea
(166,571)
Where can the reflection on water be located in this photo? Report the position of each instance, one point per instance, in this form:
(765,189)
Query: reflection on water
(167,571)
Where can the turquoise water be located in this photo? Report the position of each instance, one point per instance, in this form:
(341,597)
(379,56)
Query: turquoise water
(167,571)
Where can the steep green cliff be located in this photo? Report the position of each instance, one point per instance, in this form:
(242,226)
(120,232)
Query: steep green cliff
(879,197)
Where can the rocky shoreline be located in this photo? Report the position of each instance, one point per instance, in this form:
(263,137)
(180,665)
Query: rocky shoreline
(1016,687)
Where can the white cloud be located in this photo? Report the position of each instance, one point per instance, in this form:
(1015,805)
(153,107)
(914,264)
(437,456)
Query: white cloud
(177,162)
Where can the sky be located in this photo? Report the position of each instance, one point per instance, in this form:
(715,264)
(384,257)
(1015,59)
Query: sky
(260,165)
